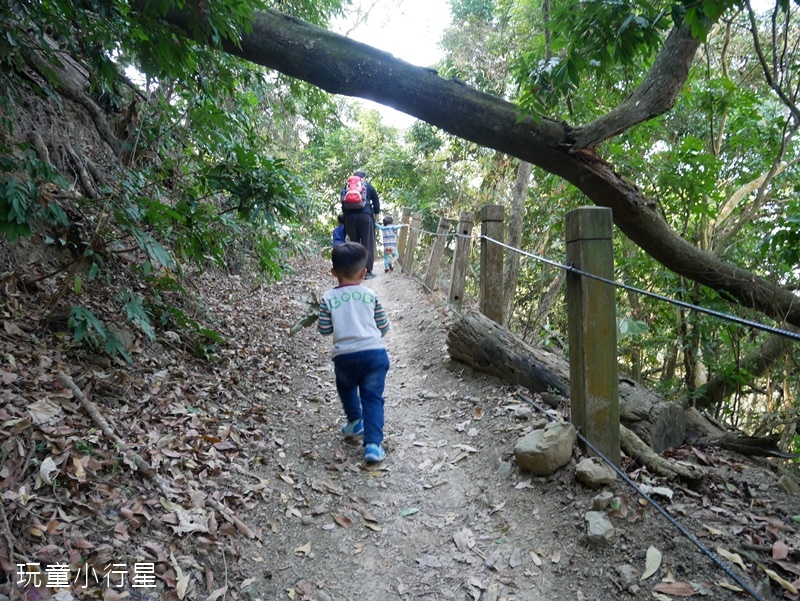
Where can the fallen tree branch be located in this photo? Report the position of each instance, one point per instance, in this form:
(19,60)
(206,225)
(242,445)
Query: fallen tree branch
(229,515)
(105,428)
(488,347)
(751,446)
(140,463)
(10,542)
(654,96)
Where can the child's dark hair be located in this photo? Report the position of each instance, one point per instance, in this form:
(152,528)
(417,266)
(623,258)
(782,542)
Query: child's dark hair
(388,220)
(348,259)
(340,219)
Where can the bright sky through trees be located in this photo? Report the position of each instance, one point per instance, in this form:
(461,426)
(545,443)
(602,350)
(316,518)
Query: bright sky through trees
(408,29)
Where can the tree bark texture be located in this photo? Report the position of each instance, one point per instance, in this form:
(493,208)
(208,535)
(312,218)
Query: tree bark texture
(485,346)
(343,66)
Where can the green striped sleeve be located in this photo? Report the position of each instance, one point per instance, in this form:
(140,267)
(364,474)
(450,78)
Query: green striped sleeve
(325,323)
(381,319)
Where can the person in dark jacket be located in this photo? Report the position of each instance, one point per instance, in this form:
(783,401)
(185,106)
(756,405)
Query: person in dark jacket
(360,223)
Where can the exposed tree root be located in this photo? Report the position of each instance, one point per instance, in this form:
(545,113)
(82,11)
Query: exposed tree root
(635,448)
(86,180)
(38,144)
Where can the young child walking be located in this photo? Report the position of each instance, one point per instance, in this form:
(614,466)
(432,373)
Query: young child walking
(339,234)
(389,239)
(358,322)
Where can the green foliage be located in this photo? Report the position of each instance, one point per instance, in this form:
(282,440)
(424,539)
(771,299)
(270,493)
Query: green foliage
(205,339)
(783,241)
(628,327)
(256,187)
(134,310)
(701,16)
(15,200)
(482,10)
(589,38)
(424,139)
(84,447)
(210,177)
(267,254)
(22,199)
(85,325)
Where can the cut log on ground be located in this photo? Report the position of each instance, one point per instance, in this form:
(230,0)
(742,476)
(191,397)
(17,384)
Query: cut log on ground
(488,347)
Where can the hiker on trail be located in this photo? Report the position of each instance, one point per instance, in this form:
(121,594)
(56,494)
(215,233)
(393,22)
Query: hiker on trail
(339,235)
(389,240)
(358,322)
(361,206)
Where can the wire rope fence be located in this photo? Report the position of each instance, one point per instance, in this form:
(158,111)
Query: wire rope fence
(444,259)
(416,263)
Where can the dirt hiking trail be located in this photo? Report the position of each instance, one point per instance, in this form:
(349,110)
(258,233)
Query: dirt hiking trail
(447,515)
(267,502)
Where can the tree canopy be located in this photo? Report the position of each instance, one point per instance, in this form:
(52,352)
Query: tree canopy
(342,66)
(679,117)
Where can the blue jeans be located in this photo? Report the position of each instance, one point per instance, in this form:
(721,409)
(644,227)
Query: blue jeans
(360,379)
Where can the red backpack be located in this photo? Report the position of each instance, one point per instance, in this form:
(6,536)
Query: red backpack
(355,193)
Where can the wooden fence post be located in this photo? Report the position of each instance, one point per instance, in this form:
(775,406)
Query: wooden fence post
(413,236)
(491,294)
(437,253)
(461,256)
(401,240)
(591,316)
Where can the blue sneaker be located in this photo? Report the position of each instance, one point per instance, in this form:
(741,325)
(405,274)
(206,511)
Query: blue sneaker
(374,453)
(353,429)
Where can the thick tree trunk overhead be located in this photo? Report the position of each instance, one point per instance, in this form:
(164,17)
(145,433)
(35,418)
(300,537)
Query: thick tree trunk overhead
(485,346)
(342,66)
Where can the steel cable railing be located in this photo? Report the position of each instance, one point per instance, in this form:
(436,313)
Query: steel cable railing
(718,314)
(572,269)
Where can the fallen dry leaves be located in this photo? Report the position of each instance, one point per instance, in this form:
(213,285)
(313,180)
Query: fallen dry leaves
(77,517)
(70,497)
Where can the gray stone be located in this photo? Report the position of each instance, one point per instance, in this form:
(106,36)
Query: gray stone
(544,451)
(789,485)
(523,412)
(598,527)
(629,578)
(539,423)
(594,472)
(602,501)
(253,590)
